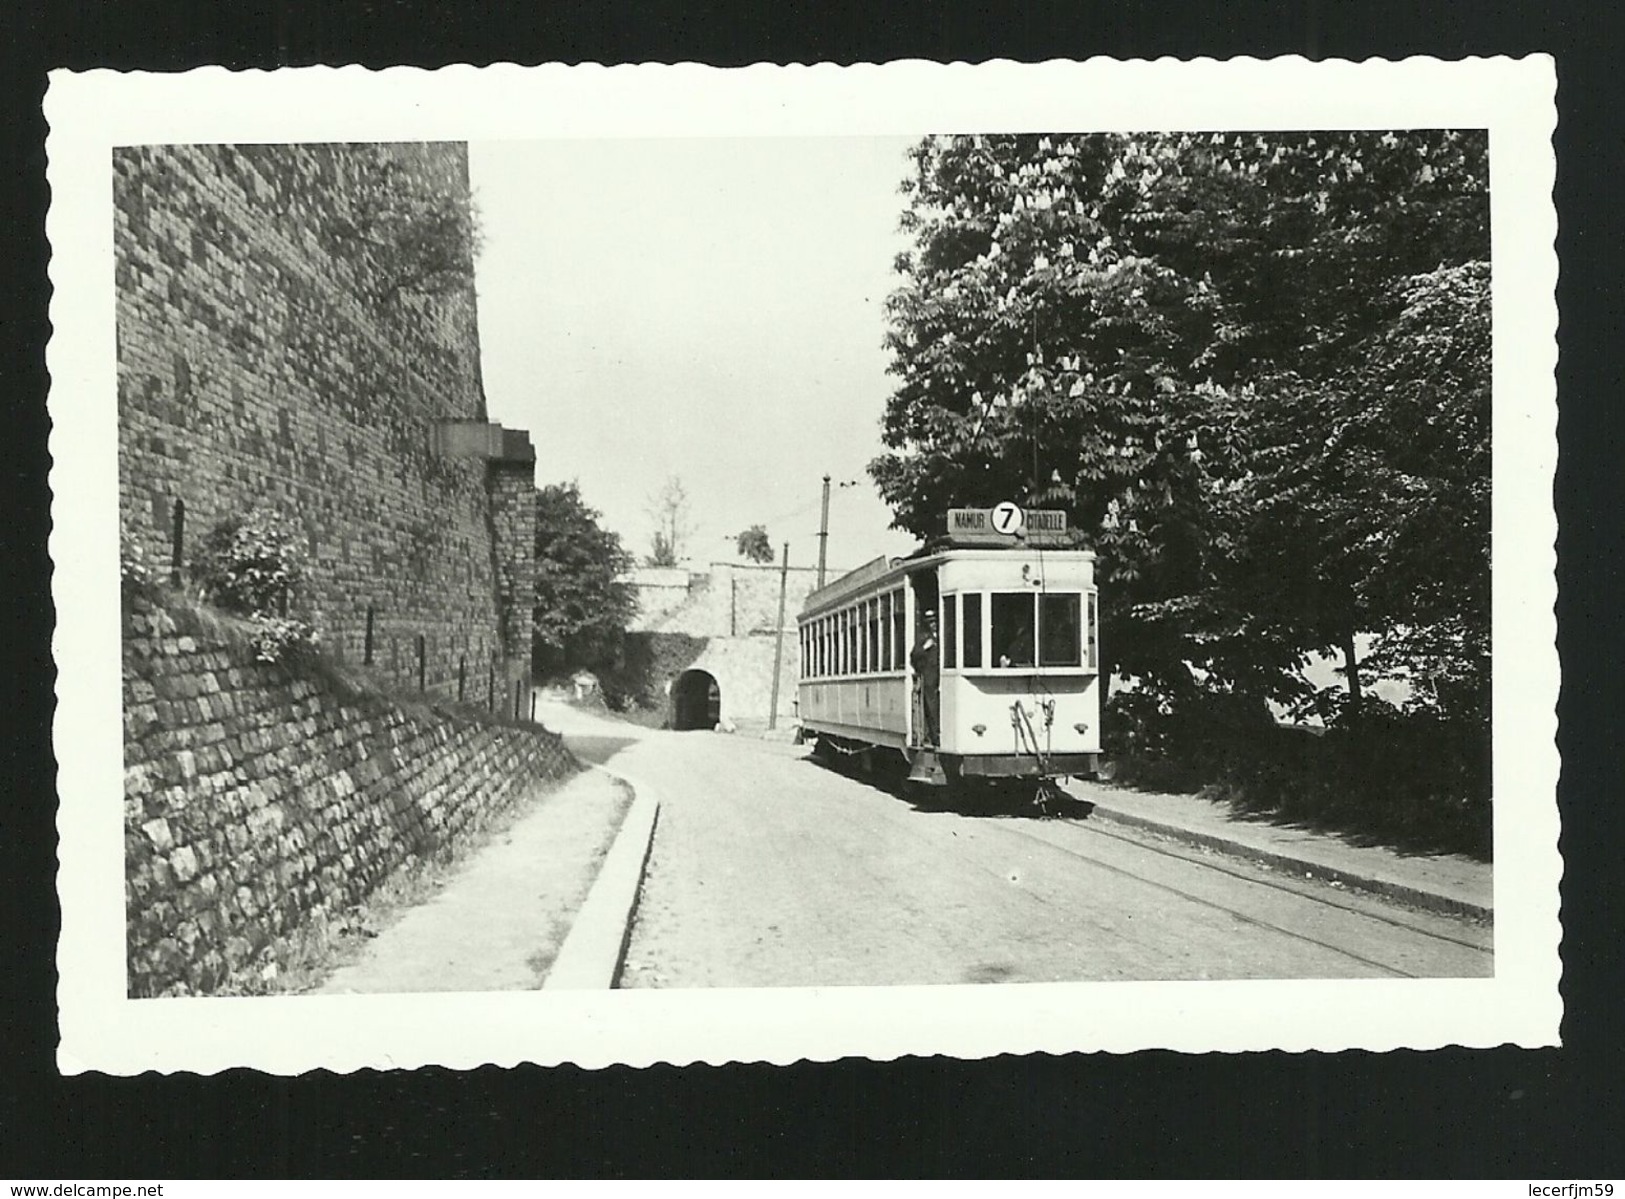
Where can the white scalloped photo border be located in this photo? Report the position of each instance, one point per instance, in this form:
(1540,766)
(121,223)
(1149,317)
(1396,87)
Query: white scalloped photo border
(91,112)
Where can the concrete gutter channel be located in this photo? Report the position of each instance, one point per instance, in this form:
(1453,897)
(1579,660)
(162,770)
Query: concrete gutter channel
(594,950)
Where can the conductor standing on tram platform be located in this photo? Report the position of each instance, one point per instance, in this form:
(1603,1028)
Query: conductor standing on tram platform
(928,673)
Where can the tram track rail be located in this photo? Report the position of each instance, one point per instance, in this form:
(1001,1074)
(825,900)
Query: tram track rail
(1027,827)
(1305,891)
(1250,877)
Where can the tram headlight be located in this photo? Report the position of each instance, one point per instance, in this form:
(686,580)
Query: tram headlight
(1080,728)
(978,729)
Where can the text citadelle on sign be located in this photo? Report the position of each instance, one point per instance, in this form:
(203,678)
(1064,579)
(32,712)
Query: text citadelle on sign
(980,520)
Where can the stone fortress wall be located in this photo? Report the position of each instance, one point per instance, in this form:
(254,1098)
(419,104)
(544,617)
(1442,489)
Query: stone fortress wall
(260,363)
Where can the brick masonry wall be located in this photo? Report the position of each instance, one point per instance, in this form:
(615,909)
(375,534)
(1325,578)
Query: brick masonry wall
(513,517)
(258,365)
(260,799)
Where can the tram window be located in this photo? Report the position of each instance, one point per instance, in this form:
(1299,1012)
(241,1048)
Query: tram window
(1094,633)
(970,605)
(1013,628)
(874,635)
(851,641)
(950,614)
(1058,629)
(883,615)
(899,639)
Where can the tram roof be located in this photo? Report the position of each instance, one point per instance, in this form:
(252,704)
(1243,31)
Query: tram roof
(933,553)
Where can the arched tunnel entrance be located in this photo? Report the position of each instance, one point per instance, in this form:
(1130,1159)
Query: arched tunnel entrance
(696,701)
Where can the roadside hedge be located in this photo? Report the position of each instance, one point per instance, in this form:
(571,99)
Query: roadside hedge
(1407,778)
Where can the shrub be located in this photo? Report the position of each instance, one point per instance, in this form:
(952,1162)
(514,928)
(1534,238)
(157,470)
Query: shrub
(1410,778)
(251,564)
(276,638)
(254,565)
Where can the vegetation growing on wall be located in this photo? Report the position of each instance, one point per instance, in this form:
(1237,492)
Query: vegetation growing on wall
(419,237)
(253,565)
(646,666)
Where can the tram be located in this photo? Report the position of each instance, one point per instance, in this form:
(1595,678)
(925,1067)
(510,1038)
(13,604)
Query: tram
(975,658)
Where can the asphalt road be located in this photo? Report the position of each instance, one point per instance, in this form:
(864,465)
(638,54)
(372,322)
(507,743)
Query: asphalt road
(770,869)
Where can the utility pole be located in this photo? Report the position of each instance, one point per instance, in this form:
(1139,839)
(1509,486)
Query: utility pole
(778,638)
(823,533)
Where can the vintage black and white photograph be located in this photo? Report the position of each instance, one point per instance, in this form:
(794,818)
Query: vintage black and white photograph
(686,584)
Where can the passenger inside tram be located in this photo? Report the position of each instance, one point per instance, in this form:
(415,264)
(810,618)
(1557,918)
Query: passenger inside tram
(1013,628)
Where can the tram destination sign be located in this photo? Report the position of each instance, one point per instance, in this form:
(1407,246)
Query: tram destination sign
(1007,524)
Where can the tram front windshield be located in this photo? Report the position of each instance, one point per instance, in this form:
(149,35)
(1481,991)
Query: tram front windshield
(1025,623)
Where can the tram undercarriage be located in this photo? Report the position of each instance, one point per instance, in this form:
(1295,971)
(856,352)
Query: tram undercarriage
(923,770)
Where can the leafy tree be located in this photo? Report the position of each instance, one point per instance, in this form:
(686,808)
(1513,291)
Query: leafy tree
(668,509)
(754,544)
(1253,367)
(582,606)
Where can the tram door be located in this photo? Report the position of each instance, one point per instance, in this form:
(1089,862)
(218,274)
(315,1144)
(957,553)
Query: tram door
(925,660)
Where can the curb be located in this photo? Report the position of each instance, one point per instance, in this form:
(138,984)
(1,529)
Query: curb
(594,950)
(1414,896)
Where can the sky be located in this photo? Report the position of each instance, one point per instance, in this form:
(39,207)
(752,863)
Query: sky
(708,309)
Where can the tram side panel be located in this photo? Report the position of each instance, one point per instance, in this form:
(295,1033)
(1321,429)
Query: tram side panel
(870,709)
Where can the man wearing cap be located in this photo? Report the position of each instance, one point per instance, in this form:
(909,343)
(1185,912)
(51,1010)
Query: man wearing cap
(927,673)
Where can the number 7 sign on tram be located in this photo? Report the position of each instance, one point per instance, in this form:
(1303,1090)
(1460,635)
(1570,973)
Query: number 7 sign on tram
(1007,518)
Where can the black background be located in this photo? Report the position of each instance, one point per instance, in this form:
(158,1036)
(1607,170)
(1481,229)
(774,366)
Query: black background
(1503,1113)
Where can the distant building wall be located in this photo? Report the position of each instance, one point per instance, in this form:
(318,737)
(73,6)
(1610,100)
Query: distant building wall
(729,599)
(743,669)
(658,589)
(261,364)
(723,621)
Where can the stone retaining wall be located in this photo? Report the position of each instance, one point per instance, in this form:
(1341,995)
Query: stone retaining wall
(260,797)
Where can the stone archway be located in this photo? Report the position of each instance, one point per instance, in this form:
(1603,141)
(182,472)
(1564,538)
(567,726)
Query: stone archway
(696,701)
